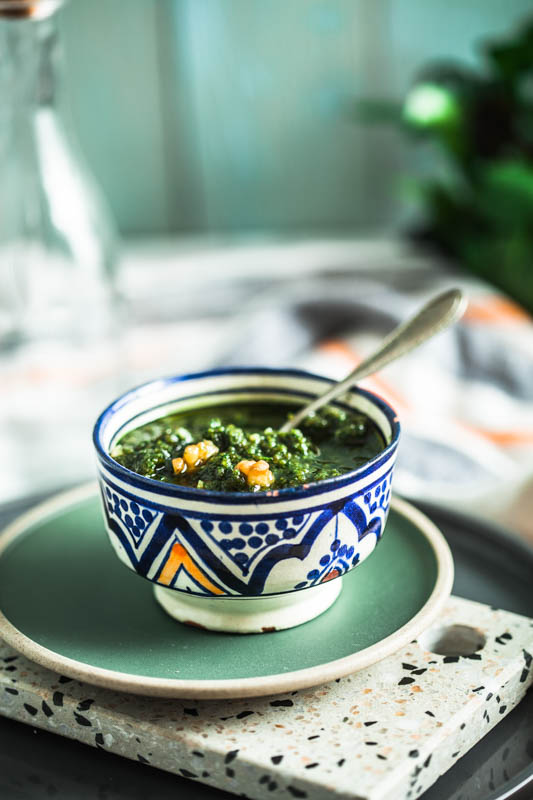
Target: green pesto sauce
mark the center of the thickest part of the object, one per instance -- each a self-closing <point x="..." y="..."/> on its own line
<point x="328" y="443"/>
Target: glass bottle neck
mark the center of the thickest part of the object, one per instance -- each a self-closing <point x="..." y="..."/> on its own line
<point x="30" y="63"/>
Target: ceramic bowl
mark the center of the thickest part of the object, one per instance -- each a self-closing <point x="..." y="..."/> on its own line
<point x="235" y="561"/>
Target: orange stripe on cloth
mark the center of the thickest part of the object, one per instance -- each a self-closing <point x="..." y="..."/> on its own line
<point x="375" y="382"/>
<point x="496" y="309"/>
<point x="179" y="557"/>
<point x="504" y="438"/>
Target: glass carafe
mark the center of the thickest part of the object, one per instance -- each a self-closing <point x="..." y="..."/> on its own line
<point x="57" y="257"/>
<point x="56" y="238"/>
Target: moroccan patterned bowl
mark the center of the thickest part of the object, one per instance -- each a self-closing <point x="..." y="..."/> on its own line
<point x="235" y="561"/>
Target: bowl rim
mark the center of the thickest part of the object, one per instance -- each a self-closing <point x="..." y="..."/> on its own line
<point x="193" y="493"/>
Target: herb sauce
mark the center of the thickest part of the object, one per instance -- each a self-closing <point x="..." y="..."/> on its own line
<point x="231" y="442"/>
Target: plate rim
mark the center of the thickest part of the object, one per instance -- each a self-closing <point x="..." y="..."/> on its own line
<point x="232" y="687"/>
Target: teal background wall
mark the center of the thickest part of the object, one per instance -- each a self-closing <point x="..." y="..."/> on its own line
<point x="229" y="115"/>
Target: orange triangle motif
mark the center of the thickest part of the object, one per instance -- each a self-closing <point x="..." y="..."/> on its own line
<point x="179" y="557"/>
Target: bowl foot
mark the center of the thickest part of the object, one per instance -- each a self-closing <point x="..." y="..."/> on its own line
<point x="249" y="614"/>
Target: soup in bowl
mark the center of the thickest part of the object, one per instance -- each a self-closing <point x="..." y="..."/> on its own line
<point x="239" y="527"/>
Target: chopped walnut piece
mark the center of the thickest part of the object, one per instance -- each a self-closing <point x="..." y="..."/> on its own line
<point x="258" y="473"/>
<point x="245" y="466"/>
<point x="194" y="455"/>
<point x="179" y="466"/>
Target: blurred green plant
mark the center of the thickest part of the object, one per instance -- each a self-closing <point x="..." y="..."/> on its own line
<point x="481" y="212"/>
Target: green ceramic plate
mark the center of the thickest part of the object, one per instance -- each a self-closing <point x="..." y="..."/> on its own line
<point x="67" y="603"/>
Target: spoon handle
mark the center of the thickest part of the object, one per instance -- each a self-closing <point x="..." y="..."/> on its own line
<point x="435" y="316"/>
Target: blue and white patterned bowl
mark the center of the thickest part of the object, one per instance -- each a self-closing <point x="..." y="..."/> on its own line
<point x="207" y="550"/>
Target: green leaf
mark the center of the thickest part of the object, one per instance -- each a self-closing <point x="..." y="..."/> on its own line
<point x="506" y="195"/>
<point x="513" y="58"/>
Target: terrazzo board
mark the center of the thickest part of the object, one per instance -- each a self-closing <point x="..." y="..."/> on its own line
<point x="385" y="733"/>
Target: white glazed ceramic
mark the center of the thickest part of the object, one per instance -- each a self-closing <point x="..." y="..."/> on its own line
<point x="235" y="561"/>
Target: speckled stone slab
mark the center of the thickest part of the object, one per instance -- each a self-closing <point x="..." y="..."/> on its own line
<point x="385" y="733"/>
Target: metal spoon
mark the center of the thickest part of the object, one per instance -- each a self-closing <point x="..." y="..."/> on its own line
<point x="435" y="316"/>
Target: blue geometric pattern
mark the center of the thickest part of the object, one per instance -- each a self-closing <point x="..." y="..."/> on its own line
<point x="241" y="556"/>
<point x="135" y="518"/>
<point x="132" y="527"/>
